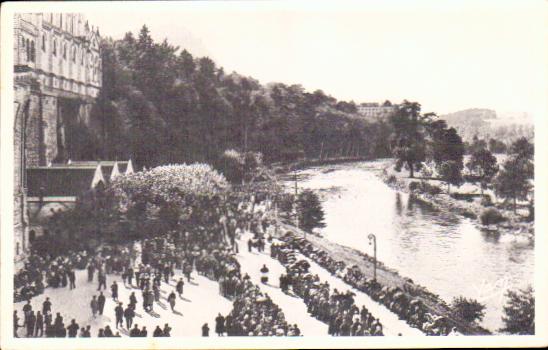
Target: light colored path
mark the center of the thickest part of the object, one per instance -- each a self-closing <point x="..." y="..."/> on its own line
<point x="294" y="308"/>
<point x="202" y="302"/>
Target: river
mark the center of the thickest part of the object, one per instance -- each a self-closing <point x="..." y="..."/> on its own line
<point x="443" y="252"/>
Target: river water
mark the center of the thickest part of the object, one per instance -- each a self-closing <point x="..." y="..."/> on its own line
<point x="443" y="252"/>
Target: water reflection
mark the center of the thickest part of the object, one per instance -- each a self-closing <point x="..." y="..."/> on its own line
<point x="439" y="250"/>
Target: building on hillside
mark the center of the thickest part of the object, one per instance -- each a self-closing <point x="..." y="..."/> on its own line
<point x="377" y="111"/>
<point x="57" y="187"/>
<point x="57" y="76"/>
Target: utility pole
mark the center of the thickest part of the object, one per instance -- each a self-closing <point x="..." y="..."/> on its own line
<point x="296" y="194"/>
<point x="373" y="239"/>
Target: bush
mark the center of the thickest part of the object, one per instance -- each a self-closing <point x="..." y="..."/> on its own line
<point x="468" y="309"/>
<point x="391" y="179"/>
<point x="414" y="185"/>
<point x="491" y="216"/>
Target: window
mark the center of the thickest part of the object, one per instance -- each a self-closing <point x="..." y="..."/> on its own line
<point x="74" y="54"/>
<point x="28" y="49"/>
<point x="65" y="51"/>
<point x="44" y="42"/>
<point x="54" y="47"/>
<point x="23" y="41"/>
<point x="32" y="52"/>
<point x="61" y="20"/>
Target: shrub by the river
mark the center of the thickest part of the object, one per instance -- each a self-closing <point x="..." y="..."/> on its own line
<point x="491" y="216"/>
<point x="519" y="312"/>
<point x="468" y="309"/>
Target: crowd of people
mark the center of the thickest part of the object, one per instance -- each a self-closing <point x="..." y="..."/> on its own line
<point x="410" y="309"/>
<point x="337" y="309"/>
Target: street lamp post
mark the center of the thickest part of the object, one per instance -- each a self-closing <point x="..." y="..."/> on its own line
<point x="373" y="239"/>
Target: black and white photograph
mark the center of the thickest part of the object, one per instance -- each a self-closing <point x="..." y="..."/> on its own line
<point x="274" y="174"/>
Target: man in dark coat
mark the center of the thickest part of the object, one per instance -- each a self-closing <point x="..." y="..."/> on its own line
<point x="130" y="276"/>
<point x="91" y="271"/>
<point x="135" y="332"/>
<point x="219" y="325"/>
<point x="129" y="314"/>
<point x="72" y="279"/>
<point x="143" y="332"/>
<point x="31" y="322"/>
<point x="158" y="332"/>
<point x="114" y="291"/>
<point x="102" y="281"/>
<point x="39" y="324"/>
<point x="73" y="329"/>
<point x="101" y="303"/>
<point x="15" y="324"/>
<point x="119" y="312"/>
<point x="46" y="306"/>
<point x="167" y="330"/>
<point x="27" y="308"/>
<point x="179" y="287"/>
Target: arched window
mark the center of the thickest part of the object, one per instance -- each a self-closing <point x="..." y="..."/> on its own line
<point x="23" y="41"/>
<point x="54" y="47"/>
<point x="44" y="42"/>
<point x="32" y="52"/>
<point x="28" y="49"/>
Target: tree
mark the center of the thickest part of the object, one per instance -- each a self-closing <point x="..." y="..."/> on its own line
<point x="522" y="148"/>
<point x="496" y="146"/>
<point x="519" y="312"/>
<point x="468" y="309"/>
<point x="483" y="164"/>
<point x="309" y="210"/>
<point x="408" y="140"/>
<point x="512" y="181"/>
<point x="450" y="172"/>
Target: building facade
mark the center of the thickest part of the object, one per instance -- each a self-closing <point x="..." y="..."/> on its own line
<point x="58" y="74"/>
<point x="376" y="110"/>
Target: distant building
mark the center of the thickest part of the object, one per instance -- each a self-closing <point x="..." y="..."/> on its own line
<point x="57" y="71"/>
<point x="377" y="111"/>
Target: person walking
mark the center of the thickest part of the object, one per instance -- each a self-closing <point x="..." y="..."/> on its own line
<point x="119" y="313"/>
<point x="102" y="278"/>
<point x="205" y="330"/>
<point x="39" y="324"/>
<point x="72" y="279"/>
<point x="94" y="306"/>
<point x="264" y="272"/>
<point x="101" y="303"/>
<point x="128" y="315"/>
<point x="31" y="322"/>
<point x="171" y="301"/>
<point x="179" y="287"/>
<point x="46" y="306"/>
<point x="156" y="291"/>
<point x="91" y="271"/>
<point x="130" y="276"/>
<point x="219" y="325"/>
<point x="114" y="291"/>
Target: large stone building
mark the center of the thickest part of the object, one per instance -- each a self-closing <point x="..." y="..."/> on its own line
<point x="57" y="69"/>
<point x="373" y="110"/>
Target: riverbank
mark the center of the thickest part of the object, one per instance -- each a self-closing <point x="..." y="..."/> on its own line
<point x="387" y="277"/>
<point x="513" y="224"/>
<point x="307" y="163"/>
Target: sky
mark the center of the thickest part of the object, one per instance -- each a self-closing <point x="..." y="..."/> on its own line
<point x="448" y="55"/>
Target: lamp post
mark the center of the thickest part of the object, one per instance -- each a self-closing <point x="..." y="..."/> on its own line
<point x="373" y="240"/>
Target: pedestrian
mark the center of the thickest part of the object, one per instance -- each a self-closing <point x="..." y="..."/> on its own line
<point x="94" y="306"/>
<point x="27" y="308"/>
<point x="158" y="332"/>
<point x="15" y="324"/>
<point x="124" y="277"/>
<point x="179" y="287"/>
<point x="31" y="322"/>
<point x="264" y="272"/>
<point x="171" y="300"/>
<point x="101" y="303"/>
<point x="167" y="330"/>
<point x="82" y="332"/>
<point x="128" y="315"/>
<point x="46" y="306"/>
<point x="108" y="331"/>
<point x="73" y="329"/>
<point x="135" y="332"/>
<point x="39" y="324"/>
<point x="87" y="332"/>
<point x="219" y="325"/>
<point x="114" y="291"/>
<point x="102" y="278"/>
<point x="130" y="276"/>
<point x="156" y="291"/>
<point x="61" y="331"/>
<point x="91" y="271"/>
<point x="296" y="330"/>
<point x="205" y="330"/>
<point x="249" y="245"/>
<point x="47" y="319"/>
<point x="101" y="333"/>
<point x="137" y="277"/>
<point x="72" y="279"/>
<point x="143" y="332"/>
<point x="119" y="312"/>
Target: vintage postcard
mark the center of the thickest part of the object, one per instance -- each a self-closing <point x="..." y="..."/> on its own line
<point x="274" y="174"/>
